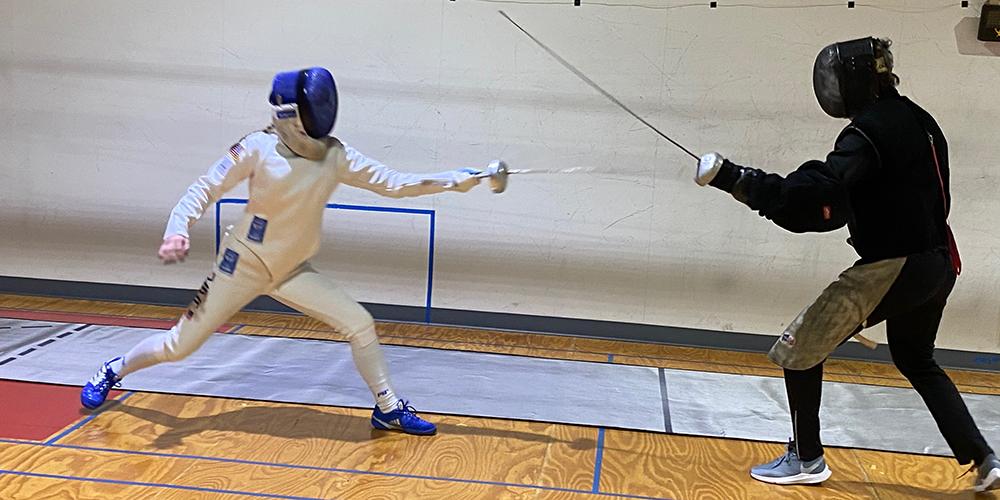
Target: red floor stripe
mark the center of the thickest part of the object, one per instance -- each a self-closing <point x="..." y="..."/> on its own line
<point x="94" y="319"/>
<point x="36" y="411"/>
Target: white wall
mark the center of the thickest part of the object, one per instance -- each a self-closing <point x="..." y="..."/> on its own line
<point x="110" y="109"/>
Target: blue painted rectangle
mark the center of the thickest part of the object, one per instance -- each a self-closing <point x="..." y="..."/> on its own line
<point x="428" y="301"/>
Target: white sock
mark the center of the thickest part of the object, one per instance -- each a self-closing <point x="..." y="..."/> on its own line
<point x="386" y="400"/>
<point x="117" y="365"/>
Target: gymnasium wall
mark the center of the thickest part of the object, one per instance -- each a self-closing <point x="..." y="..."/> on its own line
<point x="111" y="108"/>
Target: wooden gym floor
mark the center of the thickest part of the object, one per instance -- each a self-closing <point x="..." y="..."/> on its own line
<point x="148" y="445"/>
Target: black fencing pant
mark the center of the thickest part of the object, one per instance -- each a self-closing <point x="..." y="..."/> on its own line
<point x="912" y="311"/>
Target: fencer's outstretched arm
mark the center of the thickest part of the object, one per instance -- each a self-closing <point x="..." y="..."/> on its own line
<point x="225" y="174"/>
<point x="366" y="173"/>
<point x="813" y="198"/>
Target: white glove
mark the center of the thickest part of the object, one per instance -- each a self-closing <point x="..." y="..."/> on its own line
<point x="494" y="167"/>
<point x="708" y="167"/>
<point x="464" y="179"/>
<point x="460" y="180"/>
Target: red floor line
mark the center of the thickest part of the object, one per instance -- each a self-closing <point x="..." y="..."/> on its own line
<point x="37" y="411"/>
<point x="96" y="319"/>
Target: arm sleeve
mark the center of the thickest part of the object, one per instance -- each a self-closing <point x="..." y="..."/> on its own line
<point x="225" y="174"/>
<point x="366" y="173"/>
<point x="813" y="198"/>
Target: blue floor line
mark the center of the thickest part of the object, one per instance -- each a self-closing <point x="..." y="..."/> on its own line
<point x="152" y="485"/>
<point x="83" y="422"/>
<point x="326" y="469"/>
<point x="597" y="462"/>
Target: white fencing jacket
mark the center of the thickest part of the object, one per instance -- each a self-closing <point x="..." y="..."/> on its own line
<point x="282" y="223"/>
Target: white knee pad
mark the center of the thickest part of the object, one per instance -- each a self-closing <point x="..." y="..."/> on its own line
<point x="354" y="322"/>
<point x="174" y="347"/>
<point x="156" y="349"/>
<point x="363" y="333"/>
<point x="371" y="364"/>
<point x="182" y="340"/>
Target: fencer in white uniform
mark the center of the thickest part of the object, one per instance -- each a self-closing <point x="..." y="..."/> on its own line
<point x="292" y="168"/>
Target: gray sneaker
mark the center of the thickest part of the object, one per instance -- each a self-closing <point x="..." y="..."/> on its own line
<point x="789" y="469"/>
<point x="989" y="474"/>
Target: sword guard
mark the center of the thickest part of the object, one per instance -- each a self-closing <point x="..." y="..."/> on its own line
<point x="497" y="172"/>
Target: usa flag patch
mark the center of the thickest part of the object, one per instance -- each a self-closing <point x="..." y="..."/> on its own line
<point x="229" y="261"/>
<point x="235" y="152"/>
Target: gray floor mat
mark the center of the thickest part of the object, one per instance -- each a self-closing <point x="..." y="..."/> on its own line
<point x="320" y="372"/>
<point x="852" y="415"/>
<point x="491" y="385"/>
<point x="21" y="338"/>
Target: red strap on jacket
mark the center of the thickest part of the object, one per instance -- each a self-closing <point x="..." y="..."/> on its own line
<point x="956" y="259"/>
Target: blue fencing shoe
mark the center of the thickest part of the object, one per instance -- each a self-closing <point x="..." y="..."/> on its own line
<point x="402" y="418"/>
<point x="97" y="389"/>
